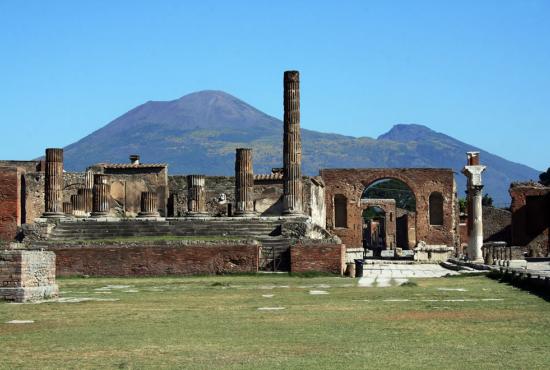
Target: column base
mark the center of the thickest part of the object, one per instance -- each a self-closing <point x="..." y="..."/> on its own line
<point x="245" y="214"/>
<point x="291" y="212"/>
<point x="99" y="214"/>
<point x="148" y="215"/>
<point x="54" y="215"/>
<point x="197" y="214"/>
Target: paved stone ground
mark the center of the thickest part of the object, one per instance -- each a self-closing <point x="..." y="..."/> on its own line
<point x="541" y="266"/>
<point x="384" y="274"/>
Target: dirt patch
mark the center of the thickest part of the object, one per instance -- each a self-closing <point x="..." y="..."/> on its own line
<point x="453" y="315"/>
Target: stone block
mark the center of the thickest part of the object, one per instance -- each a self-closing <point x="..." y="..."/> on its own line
<point x="387" y="253"/>
<point x="27" y="275"/>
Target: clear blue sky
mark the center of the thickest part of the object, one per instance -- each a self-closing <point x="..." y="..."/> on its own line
<point x="476" y="70"/>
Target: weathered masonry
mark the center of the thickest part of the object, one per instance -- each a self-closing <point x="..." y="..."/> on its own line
<point x="436" y="216"/>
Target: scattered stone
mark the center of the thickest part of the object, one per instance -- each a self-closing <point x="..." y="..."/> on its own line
<point x="268" y="295"/>
<point x="453" y="289"/>
<point x="270" y="308"/>
<point x="318" y="292"/>
<point x="20" y="322"/>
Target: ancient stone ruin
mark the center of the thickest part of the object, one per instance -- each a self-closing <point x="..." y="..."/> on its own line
<point x="279" y="221"/>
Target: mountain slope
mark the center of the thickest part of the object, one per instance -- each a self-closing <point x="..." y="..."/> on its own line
<point x="199" y="132"/>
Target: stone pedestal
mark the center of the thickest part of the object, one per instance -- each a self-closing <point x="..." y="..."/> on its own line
<point x="473" y="171"/>
<point x="148" y="204"/>
<point x="196" y="195"/>
<point x="244" y="183"/>
<point x="53" y="189"/>
<point x="101" y="196"/>
<point x="292" y="145"/>
<point x="27" y="275"/>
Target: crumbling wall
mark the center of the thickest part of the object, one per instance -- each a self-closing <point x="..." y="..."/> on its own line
<point x="317" y="257"/>
<point x="10" y="201"/>
<point x="531" y="218"/>
<point x="422" y="181"/>
<point x="162" y="259"/>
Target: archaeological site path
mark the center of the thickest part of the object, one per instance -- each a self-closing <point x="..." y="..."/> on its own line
<point x="276" y="320"/>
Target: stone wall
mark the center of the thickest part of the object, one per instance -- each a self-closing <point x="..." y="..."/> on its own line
<point x="27" y="275"/>
<point x="156" y="259"/>
<point x="531" y="218"/>
<point x="10" y="202"/>
<point x="318" y="257"/>
<point x="422" y="181"/>
<point x="497" y="225"/>
<point x="215" y="186"/>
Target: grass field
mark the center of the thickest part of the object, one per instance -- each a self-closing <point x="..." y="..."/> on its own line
<point x="215" y="322"/>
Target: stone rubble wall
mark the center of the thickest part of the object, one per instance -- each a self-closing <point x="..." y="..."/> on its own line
<point x="27" y="275"/>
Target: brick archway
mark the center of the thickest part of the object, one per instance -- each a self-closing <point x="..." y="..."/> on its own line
<point x="422" y="181"/>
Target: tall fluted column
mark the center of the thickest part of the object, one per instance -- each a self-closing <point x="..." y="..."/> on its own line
<point x="53" y="189"/>
<point x="89" y="179"/>
<point x="148" y="204"/>
<point x="244" y="183"/>
<point x="196" y="195"/>
<point x="292" y="145"/>
<point x="101" y="196"/>
<point x="473" y="171"/>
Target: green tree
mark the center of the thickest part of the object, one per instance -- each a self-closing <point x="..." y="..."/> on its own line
<point x="545" y="178"/>
<point x="462" y="204"/>
<point x="487" y="201"/>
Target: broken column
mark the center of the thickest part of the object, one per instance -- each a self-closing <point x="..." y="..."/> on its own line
<point x="148" y="204"/>
<point x="68" y="208"/>
<point x="196" y="195"/>
<point x="87" y="199"/>
<point x="292" y="145"/>
<point x="244" y="183"/>
<point x="53" y="190"/>
<point x="101" y="195"/>
<point x="473" y="172"/>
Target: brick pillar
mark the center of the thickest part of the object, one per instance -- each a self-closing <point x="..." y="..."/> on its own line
<point x="87" y="199"/>
<point x="244" y="183"/>
<point x="292" y="145"/>
<point x="53" y="189"/>
<point x="101" y="196"/>
<point x="148" y="204"/>
<point x="196" y="195"/>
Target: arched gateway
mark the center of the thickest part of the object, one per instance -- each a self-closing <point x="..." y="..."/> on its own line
<point x="350" y="184"/>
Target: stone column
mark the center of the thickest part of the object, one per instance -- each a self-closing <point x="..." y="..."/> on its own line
<point x="244" y="183"/>
<point x="148" y="204"/>
<point x="53" y="189"/>
<point x="292" y="145"/>
<point x="196" y="195"/>
<point x="101" y="196"/>
<point x="77" y="201"/>
<point x="89" y="179"/>
<point x="68" y="208"/>
<point x="473" y="172"/>
<point x="87" y="199"/>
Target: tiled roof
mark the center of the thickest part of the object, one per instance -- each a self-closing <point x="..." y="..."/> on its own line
<point x="130" y="165"/>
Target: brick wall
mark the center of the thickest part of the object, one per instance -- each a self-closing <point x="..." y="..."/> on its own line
<point x="422" y="181"/>
<point x="10" y="202"/>
<point x="135" y="260"/>
<point x="531" y="218"/>
<point x="318" y="257"/>
<point x="27" y="275"/>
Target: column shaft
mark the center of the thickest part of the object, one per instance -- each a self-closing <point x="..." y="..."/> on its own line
<point x="148" y="204"/>
<point x="101" y="196"/>
<point x="196" y="195"/>
<point x="476" y="237"/>
<point x="53" y="189"/>
<point x="292" y="145"/>
<point x="244" y="182"/>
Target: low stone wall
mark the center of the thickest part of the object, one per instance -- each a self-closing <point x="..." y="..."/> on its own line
<point x="156" y="259"/>
<point x="318" y="257"/>
<point x="27" y="275"/>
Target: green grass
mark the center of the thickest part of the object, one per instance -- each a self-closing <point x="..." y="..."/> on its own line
<point x="214" y="322"/>
<point x="160" y="238"/>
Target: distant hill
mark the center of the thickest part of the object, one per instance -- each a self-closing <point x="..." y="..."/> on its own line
<point x="199" y="132"/>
